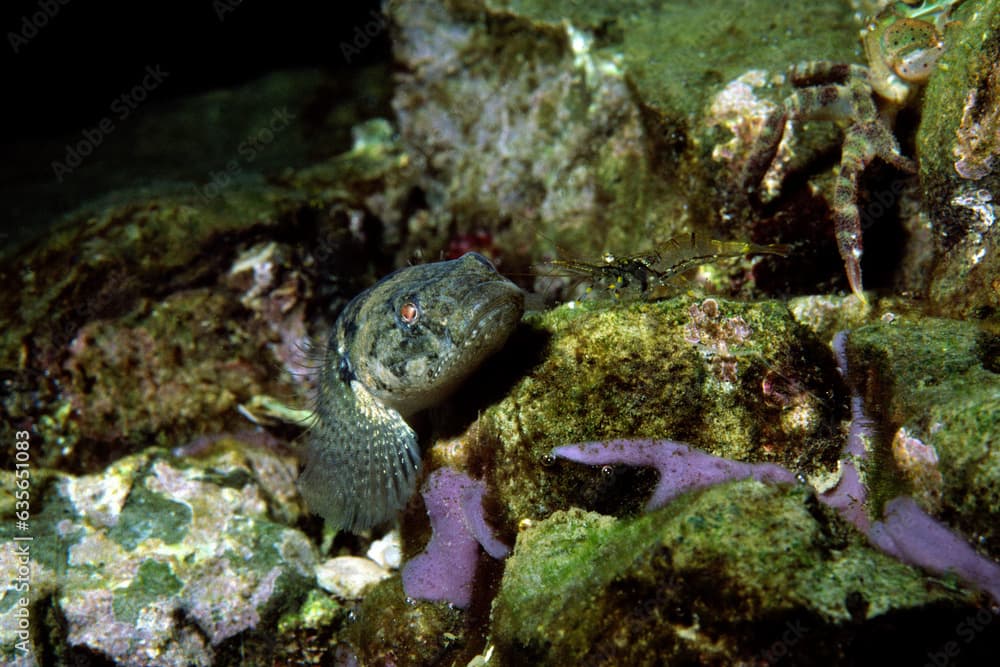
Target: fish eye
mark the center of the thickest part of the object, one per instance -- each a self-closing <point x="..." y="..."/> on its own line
<point x="409" y="312"/>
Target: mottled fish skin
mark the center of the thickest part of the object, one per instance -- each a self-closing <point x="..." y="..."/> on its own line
<point x="398" y="347"/>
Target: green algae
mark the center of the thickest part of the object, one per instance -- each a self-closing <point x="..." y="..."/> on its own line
<point x="925" y="361"/>
<point x="678" y="52"/>
<point x="715" y="577"/>
<point x="53" y="528"/>
<point x="935" y="378"/>
<point x="148" y="515"/>
<point x="318" y="610"/>
<point x="963" y="210"/>
<point x="154" y="580"/>
<point x="392" y="628"/>
<point x="610" y="371"/>
<point x="972" y="47"/>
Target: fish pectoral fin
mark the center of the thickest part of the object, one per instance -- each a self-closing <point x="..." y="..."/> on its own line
<point x="362" y="459"/>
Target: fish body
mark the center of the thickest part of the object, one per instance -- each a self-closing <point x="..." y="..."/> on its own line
<point x="400" y="346"/>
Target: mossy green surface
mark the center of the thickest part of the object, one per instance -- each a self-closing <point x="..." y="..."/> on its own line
<point x="919" y="363"/>
<point x="392" y="629"/>
<point x="938" y="379"/>
<point x="972" y="47"/>
<point x="149" y="515"/>
<point x="613" y="370"/>
<point x="318" y="610"/>
<point x="678" y="53"/>
<point x="718" y="577"/>
<point x="154" y="580"/>
<point x="970" y="462"/>
<point x="961" y="121"/>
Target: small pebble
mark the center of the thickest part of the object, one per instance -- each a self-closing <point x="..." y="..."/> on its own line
<point x="349" y="577"/>
<point x="387" y="551"/>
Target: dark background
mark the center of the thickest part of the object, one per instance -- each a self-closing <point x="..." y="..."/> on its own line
<point x="88" y="53"/>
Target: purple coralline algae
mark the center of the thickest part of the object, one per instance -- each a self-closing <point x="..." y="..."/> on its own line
<point x="682" y="468"/>
<point x="849" y="497"/>
<point x="915" y="537"/>
<point x="861" y="425"/>
<point x="905" y="531"/>
<point x="446" y="570"/>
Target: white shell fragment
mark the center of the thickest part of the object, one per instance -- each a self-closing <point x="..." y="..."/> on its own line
<point x="349" y="577"/>
<point x="387" y="552"/>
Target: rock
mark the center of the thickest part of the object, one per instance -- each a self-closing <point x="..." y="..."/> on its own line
<point x="585" y="126"/>
<point x="387" y="551"/>
<point x="349" y="577"/>
<point x="933" y="388"/>
<point x="163" y="561"/>
<point x="959" y="143"/>
<point x="737" y="380"/>
<point x="743" y="573"/>
<point x="563" y="141"/>
<point x="150" y="317"/>
<point x="392" y="629"/>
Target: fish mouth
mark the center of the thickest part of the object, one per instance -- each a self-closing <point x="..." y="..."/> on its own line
<point x="496" y="305"/>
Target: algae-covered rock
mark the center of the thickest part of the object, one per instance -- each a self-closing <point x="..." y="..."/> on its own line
<point x="595" y="125"/>
<point x="165" y="371"/>
<point x="740" y="574"/>
<point x="741" y="381"/>
<point x="394" y="630"/>
<point x="151" y="316"/>
<point x="562" y="142"/>
<point x="932" y="387"/>
<point x="959" y="148"/>
<point x="166" y="561"/>
<point x="306" y="633"/>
